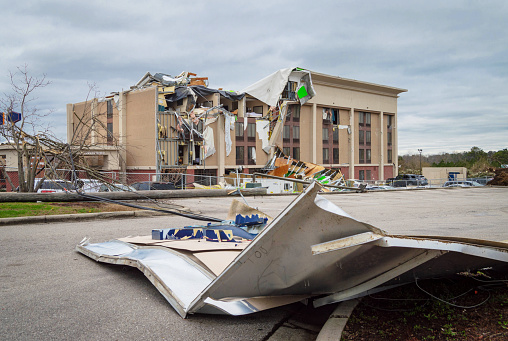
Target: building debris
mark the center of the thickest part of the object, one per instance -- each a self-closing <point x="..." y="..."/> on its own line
<point x="187" y="107"/>
<point x="500" y="177"/>
<point x="286" y="167"/>
<point x="312" y="249"/>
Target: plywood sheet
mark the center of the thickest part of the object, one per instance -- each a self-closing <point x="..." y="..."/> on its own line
<point x="217" y="261"/>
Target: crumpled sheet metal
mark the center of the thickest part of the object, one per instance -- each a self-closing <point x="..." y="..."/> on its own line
<point x="311" y="249"/>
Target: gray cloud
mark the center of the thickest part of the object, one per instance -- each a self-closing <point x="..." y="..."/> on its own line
<point x="451" y="56"/>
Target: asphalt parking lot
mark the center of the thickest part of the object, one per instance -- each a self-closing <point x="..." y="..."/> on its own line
<point x="49" y="291"/>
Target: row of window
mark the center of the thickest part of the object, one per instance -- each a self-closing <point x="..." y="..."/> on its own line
<point x="364" y="155"/>
<point x="240" y="128"/>
<point x="287" y="130"/>
<point x="364" y="137"/>
<point x="240" y="155"/>
<point x="364" y="119"/>
<point x="326" y="135"/>
<point x="362" y="172"/>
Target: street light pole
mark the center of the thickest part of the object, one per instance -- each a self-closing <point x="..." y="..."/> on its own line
<point x="420" y="151"/>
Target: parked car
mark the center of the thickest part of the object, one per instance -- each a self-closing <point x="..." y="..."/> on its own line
<point x="55" y="186"/>
<point x="404" y="180"/>
<point x="153" y="186"/>
<point x="460" y="183"/>
<point x="89" y="185"/>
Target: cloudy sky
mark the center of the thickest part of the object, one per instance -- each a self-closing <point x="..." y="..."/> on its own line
<point x="452" y="56"/>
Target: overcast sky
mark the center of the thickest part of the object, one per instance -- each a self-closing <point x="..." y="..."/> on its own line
<point x="452" y="56"/>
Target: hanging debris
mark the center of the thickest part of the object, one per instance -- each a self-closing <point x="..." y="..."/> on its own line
<point x="285" y="167"/>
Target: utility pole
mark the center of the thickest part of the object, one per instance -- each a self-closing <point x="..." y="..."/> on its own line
<point x="420" y="151"/>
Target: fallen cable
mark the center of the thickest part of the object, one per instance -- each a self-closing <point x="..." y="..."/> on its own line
<point x="452" y="304"/>
<point x="95" y="198"/>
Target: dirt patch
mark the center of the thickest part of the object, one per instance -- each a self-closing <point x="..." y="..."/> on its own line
<point x="408" y="313"/>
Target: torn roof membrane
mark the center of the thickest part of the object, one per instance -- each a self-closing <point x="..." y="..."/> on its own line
<point x="312" y="249"/>
<point x="270" y="88"/>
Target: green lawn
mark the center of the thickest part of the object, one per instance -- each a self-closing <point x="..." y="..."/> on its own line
<point x="23" y="209"/>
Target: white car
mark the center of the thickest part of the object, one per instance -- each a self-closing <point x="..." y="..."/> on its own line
<point x="54" y="186"/>
<point x="460" y="183"/>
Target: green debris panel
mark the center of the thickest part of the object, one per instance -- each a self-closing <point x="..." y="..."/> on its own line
<point x="302" y="92"/>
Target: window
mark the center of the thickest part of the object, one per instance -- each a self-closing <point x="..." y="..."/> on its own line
<point x="335" y="135"/>
<point x="367" y="119"/>
<point x="286" y="132"/>
<point x="295" y="112"/>
<point x="335" y="116"/>
<point x="239" y="155"/>
<point x="325" y="134"/>
<point x="326" y="155"/>
<point x="361" y="137"/>
<point x="109" y="109"/>
<point x="251" y="131"/>
<point x="389" y="121"/>
<point x="368" y="153"/>
<point x="296" y="133"/>
<point x="368" y="174"/>
<point x="251" y="155"/>
<point x="390" y="156"/>
<point x="361" y="155"/>
<point x="239" y="130"/>
<point x="258" y="109"/>
<point x="360" y="118"/>
<point x="361" y="175"/>
<point x="296" y="153"/>
<point x="389" y="138"/>
<point x="335" y="155"/>
<point x="110" y="133"/>
<point x="234" y="105"/>
<point x="367" y="137"/>
<point x="286" y="151"/>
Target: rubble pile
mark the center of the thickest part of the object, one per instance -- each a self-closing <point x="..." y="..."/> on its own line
<point x="500" y="177"/>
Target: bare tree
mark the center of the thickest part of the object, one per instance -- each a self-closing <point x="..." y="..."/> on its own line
<point x="20" y="135"/>
<point x="38" y="151"/>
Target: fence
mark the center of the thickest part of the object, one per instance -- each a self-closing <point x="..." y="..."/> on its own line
<point x="147" y="181"/>
<point x="110" y="180"/>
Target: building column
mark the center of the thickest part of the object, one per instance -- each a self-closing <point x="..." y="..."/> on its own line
<point x="314" y="133"/>
<point x="220" y="141"/>
<point x="70" y="122"/>
<point x="395" y="146"/>
<point x="122" y="135"/>
<point x="242" y="106"/>
<point x="351" y="143"/>
<point x="93" y="113"/>
<point x="381" y="172"/>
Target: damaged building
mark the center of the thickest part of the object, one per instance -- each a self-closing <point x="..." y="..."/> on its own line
<point x="166" y="124"/>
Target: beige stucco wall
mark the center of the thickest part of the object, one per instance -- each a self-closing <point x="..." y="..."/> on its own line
<point x="11" y="156"/>
<point x="439" y="175"/>
<point x="140" y="128"/>
<point x="353" y="98"/>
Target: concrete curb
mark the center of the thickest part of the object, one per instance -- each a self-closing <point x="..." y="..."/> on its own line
<point x="77" y="217"/>
<point x="333" y="328"/>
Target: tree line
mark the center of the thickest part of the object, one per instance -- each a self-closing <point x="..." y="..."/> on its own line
<point x="477" y="161"/>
